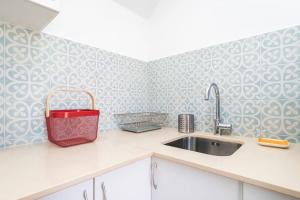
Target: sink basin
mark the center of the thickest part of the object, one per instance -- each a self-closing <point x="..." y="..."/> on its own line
<point x="207" y="146"/>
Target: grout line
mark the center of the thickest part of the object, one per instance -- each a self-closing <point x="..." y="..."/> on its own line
<point x="4" y="89"/>
<point x="3" y="134"/>
<point x="260" y="84"/>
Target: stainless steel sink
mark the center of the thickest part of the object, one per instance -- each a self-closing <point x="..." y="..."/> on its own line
<point x="208" y="146"/>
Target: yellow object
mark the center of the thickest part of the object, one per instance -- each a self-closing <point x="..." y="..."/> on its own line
<point x="273" y="142"/>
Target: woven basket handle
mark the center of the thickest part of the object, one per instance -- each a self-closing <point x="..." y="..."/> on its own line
<point x="51" y="93"/>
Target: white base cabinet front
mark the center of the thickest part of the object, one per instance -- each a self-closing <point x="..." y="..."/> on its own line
<point x="131" y="182"/>
<point x="159" y="179"/>
<point x="177" y="182"/>
<point x="251" y="192"/>
<point x="82" y="191"/>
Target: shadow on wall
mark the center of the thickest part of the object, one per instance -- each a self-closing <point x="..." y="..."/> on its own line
<point x="143" y="8"/>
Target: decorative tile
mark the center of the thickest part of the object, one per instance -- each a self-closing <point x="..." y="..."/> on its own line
<point x="281" y="117"/>
<point x="250" y="73"/>
<point x="23" y="120"/>
<point x="58" y="49"/>
<point x="281" y="47"/>
<point x="25" y="46"/>
<point x="26" y="82"/>
<point x="281" y="81"/>
<point x="37" y="62"/>
<point x="244" y="84"/>
<point x="258" y="79"/>
<point x="245" y="116"/>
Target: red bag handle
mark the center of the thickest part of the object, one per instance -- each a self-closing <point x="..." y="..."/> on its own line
<point x="52" y="92"/>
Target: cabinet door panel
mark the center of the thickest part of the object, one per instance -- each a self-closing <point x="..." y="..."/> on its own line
<point x="175" y="181"/>
<point x="251" y="192"/>
<point x="131" y="182"/>
<point x="82" y="191"/>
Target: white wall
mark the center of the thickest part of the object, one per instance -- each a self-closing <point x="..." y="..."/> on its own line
<point x="102" y="23"/>
<point x="177" y="26"/>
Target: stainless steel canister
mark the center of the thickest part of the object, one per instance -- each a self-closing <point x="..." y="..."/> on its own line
<point x="186" y="123"/>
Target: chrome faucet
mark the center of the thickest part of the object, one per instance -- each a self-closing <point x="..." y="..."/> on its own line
<point x="218" y="125"/>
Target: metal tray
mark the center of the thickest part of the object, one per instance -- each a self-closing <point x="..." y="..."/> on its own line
<point x="141" y="122"/>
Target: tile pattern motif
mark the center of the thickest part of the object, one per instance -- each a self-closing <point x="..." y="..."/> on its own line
<point x="259" y="80"/>
<point x="33" y="63"/>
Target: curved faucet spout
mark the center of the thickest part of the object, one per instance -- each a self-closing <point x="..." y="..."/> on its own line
<point x="217" y="93"/>
<point x="218" y="126"/>
<point x="216" y="88"/>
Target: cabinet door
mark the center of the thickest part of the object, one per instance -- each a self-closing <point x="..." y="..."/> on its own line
<point x="252" y="192"/>
<point x="175" y="181"/>
<point x="82" y="191"/>
<point x="131" y="182"/>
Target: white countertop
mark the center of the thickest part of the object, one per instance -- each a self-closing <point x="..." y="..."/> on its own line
<point x="30" y="172"/>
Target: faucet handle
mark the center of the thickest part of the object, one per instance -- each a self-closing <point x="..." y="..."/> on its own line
<point x="224" y="126"/>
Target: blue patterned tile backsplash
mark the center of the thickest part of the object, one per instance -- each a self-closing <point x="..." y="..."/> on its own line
<point x="33" y="63"/>
<point x="259" y="80"/>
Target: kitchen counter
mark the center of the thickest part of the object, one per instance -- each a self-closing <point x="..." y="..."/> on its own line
<point x="30" y="172"/>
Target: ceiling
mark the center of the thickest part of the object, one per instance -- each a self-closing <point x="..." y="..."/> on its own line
<point x="144" y="8"/>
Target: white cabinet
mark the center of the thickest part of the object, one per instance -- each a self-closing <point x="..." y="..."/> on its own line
<point x="177" y="182"/>
<point x="131" y="182"/>
<point x="82" y="191"/>
<point x="251" y="192"/>
<point x="165" y="180"/>
<point x="32" y="14"/>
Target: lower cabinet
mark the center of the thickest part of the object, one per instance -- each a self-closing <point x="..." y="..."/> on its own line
<point x="131" y="182"/>
<point x="159" y="179"/>
<point x="82" y="191"/>
<point x="174" y="181"/>
<point x="251" y="192"/>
